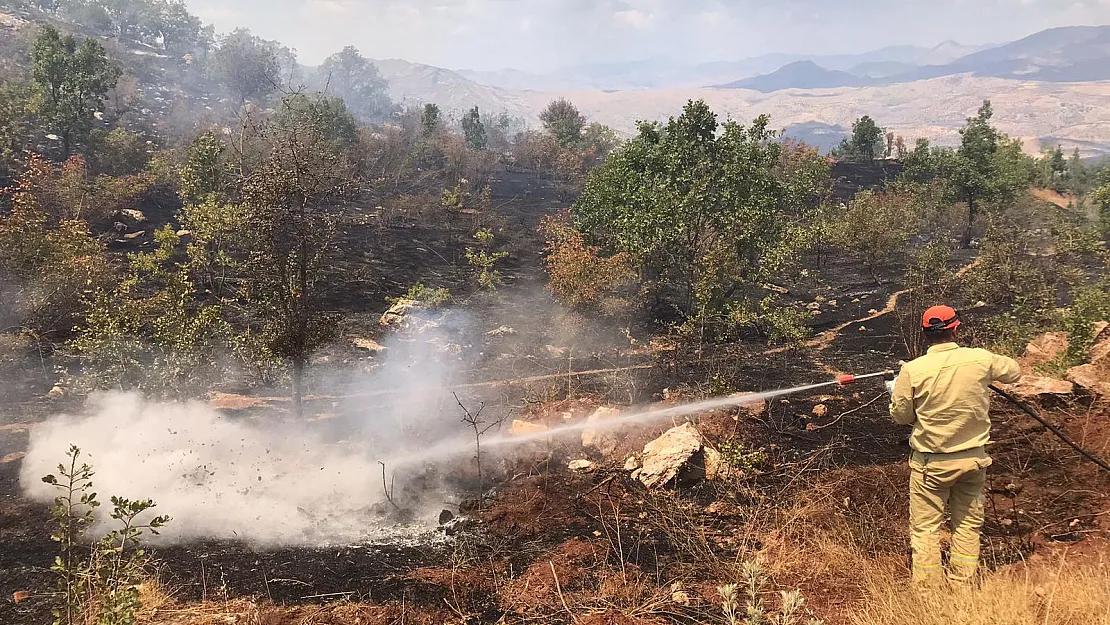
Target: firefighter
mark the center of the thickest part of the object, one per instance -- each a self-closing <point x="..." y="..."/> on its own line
<point x="944" y="395"/>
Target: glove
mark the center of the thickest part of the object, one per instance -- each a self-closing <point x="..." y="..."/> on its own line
<point x="890" y="385"/>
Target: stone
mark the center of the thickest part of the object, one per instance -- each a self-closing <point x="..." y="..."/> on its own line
<point x="675" y="457"/>
<point x="369" y="345"/>
<point x="395" y="316"/>
<point x="1046" y="347"/>
<point x="599" y="439"/>
<point x="715" y="466"/>
<point x="521" y="428"/>
<point x="581" y="466"/>
<point x="1093" y="378"/>
<point x="632" y="463"/>
<point x="446" y="516"/>
<point x="502" y="331"/>
<point x="820" y="410"/>
<point x="1034" y="386"/>
<point x="133" y="215"/>
<point x="56" y="391"/>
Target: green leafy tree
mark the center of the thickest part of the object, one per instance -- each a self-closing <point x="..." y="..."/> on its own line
<point x="247" y="65"/>
<point x="18" y="104"/>
<point x="73" y="80"/>
<point x="707" y="216"/>
<point x="474" y="130"/>
<point x="289" y="196"/>
<point x="327" y="116"/>
<point x="562" y="120"/>
<point x="351" y="76"/>
<point x="430" y="119"/>
<point x="205" y="173"/>
<point x="866" y="142"/>
<point x="178" y="29"/>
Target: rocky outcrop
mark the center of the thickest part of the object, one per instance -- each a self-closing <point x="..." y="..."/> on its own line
<point x="598" y="439"/>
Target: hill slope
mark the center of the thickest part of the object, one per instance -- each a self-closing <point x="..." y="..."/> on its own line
<point x="415" y="83"/>
<point x="798" y="75"/>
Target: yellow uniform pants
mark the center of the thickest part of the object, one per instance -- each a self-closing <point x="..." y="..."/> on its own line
<point x="954" y="481"/>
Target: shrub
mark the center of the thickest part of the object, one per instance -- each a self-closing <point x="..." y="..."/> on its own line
<point x="580" y="276"/>
<point x="426" y="297"/>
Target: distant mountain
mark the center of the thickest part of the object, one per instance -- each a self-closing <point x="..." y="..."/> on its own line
<point x="824" y="137"/>
<point x="798" y="75"/>
<point x="1066" y="54"/>
<point x="881" y="69"/>
<point x="415" y="83"/>
<point x="948" y="52"/>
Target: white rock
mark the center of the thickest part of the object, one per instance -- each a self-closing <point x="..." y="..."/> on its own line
<point x="673" y="457"/>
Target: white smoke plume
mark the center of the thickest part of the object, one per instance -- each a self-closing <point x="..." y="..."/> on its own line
<point x="270" y="480"/>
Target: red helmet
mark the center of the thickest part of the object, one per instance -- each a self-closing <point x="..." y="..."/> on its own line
<point x="940" y="318"/>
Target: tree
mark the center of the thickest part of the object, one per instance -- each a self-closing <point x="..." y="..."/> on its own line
<point x="562" y="120"/>
<point x="247" y="65"/>
<point x="867" y="139"/>
<point x="327" y="116"/>
<point x="987" y="168"/>
<point x="354" y="78"/>
<point x="73" y="80"/>
<point x="889" y="144"/>
<point x="474" y="130"/>
<point x="177" y="27"/>
<point x="430" y="119"/>
<point x="17" y="104"/>
<point x="289" y="195"/>
<point x="709" y="213"/>
<point x="205" y="173"/>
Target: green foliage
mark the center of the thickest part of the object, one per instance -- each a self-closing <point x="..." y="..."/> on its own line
<point x="563" y="121"/>
<point x="452" y="199"/>
<point x="484" y="262"/>
<point x="47" y="265"/>
<point x="105" y="576"/>
<point x="740" y="457"/>
<point x="72" y="79"/>
<point x="580" y="275"/>
<point x="19" y="102"/>
<point x="754" y="610"/>
<point x="118" y="153"/>
<point x="327" y="116"/>
<point x="427" y="297"/>
<point x="709" y="217"/>
<point x="354" y="79"/>
<point x="430" y="119"/>
<point x="205" y="173"/>
<point x="876" y="227"/>
<point x="150" y="332"/>
<point x="247" y="65"/>
<point x="1090" y="304"/>
<point x="866" y="143"/>
<point x="473" y="129"/>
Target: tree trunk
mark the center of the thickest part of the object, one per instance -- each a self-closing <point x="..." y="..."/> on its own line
<point x="965" y="242"/>
<point x="298" y="387"/>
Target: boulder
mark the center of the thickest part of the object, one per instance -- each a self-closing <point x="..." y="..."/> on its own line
<point x="598" y="438"/>
<point x="675" y="457"/>
<point x="1046" y="348"/>
<point x="1034" y="386"/>
<point x="369" y="345"/>
<point x="1094" y="377"/>
<point x="1100" y="349"/>
<point x="133" y="215"/>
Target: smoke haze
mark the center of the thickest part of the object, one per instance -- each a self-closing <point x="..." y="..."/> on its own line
<point x="267" y="479"/>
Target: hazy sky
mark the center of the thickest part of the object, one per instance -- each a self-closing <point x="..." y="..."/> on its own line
<point x="548" y="34"/>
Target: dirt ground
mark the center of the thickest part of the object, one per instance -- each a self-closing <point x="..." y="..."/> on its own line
<point x="557" y="546"/>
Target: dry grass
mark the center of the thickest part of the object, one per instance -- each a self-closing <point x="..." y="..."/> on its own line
<point x="1062" y="593"/>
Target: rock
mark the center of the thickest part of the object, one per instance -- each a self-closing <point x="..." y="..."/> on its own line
<point x="820" y="410"/>
<point x="598" y="439"/>
<point x="395" y="316"/>
<point x="581" y="466"/>
<point x="368" y="344"/>
<point x="445" y="517"/>
<point x="457" y="525"/>
<point x="133" y="215"/>
<point x="675" y="457"/>
<point x="679" y="594"/>
<point x="502" y="331"/>
<point x="632" y="463"/>
<point x="134" y="235"/>
<point x="556" y="352"/>
<point x="1093" y="378"/>
<point x="1100" y="349"/>
<point x="56" y="391"/>
<point x="521" y="428"/>
<point x="1033" y="386"/>
<point x="1046" y="347"/>
<point x="715" y="466"/>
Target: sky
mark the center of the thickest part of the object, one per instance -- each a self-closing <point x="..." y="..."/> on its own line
<point x="545" y="35"/>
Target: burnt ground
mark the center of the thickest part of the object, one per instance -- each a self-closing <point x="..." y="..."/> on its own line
<point x="1041" y="494"/>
